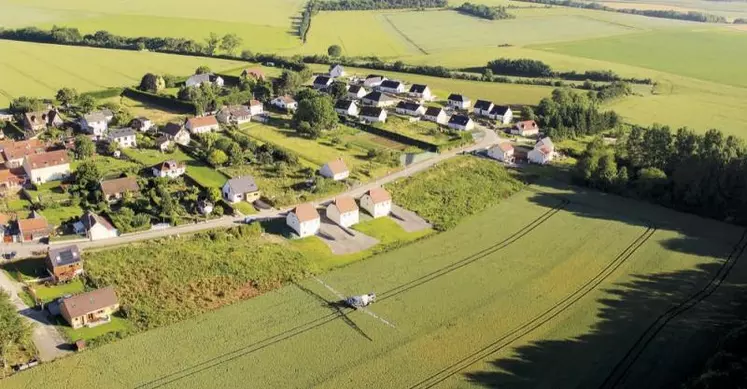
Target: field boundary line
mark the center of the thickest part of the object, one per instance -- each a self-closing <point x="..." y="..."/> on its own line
<point x="308" y="326"/>
<point x="540" y="319"/>
<point x="621" y="369"/>
<point x="402" y="34"/>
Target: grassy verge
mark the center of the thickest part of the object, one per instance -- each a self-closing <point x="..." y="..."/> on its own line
<point x="50" y="293"/>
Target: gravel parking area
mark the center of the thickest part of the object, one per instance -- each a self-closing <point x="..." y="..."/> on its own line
<point x="343" y="240"/>
<point x="408" y="220"/>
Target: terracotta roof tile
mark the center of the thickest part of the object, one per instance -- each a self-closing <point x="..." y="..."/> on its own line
<point x="85" y="303"/>
<point x="345" y="204"/>
<point x="52" y="158"/>
<point x="379" y="195"/>
<point x="306" y="212"/>
<point x="337" y="166"/>
<point x="203" y="121"/>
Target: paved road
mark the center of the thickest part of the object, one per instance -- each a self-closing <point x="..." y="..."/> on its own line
<point x="487" y="138"/>
<point x="47" y="339"/>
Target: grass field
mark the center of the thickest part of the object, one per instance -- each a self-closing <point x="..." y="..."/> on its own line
<point x="530" y="281"/>
<point x="30" y="69"/>
<point x="198" y="171"/>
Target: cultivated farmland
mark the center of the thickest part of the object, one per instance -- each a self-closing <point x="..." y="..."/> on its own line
<point x="504" y="299"/>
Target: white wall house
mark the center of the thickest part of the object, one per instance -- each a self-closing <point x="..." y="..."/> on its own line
<point x="503" y="152"/>
<point x="321" y="82"/>
<point x="95" y="227"/>
<point x="420" y="91"/>
<point x="526" y="128"/>
<point x="483" y="107"/>
<point x="378" y="99"/>
<point x="170" y="169"/>
<point x="458" y="101"/>
<point x="409" y="108"/>
<point x="242" y="188"/>
<point x="391" y="86"/>
<point x="343" y="211"/>
<point x="124" y="137"/>
<point x="373" y="114"/>
<point x="304" y="219"/>
<point x="436" y="115"/>
<point x="285" y="102"/>
<point x="256" y="107"/>
<point x="347" y="108"/>
<point x="373" y="80"/>
<point x="461" y="122"/>
<point x="336" y="170"/>
<point x="545" y="142"/>
<point x="377" y="202"/>
<point x="177" y="133"/>
<point x="45" y="167"/>
<point x="205" y="78"/>
<point x="95" y="123"/>
<point x="501" y="113"/>
<point x="540" y="155"/>
<point x="356" y="92"/>
<point x="142" y="124"/>
<point x="203" y="124"/>
<point x="336" y="70"/>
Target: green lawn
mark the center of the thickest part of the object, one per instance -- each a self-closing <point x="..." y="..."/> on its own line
<point x="245" y="208"/>
<point x="422" y="130"/>
<point x="526" y="283"/>
<point x="387" y="230"/>
<point x="117" y="324"/>
<point x="204" y="175"/>
<point x="50" y="293"/>
<point x="109" y="166"/>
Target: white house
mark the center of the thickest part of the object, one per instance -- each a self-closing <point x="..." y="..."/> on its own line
<point x="501" y="113"/>
<point x="321" y="82"/>
<point x="410" y="108"/>
<point x="373" y="80"/>
<point x="124" y="137"/>
<point x="343" y="211"/>
<point x="373" y="114"/>
<point x="377" y="202"/>
<point x="346" y="108"/>
<point x="483" y="107"/>
<point x="203" y="124"/>
<point x="170" y="169"/>
<point x="336" y="170"/>
<point x="177" y="133"/>
<point x="503" y="152"/>
<point x="96" y="227"/>
<point x="304" y="219"/>
<point x="540" y="155"/>
<point x="285" y="102"/>
<point x="234" y="114"/>
<point x="95" y="123"/>
<point x="256" y="107"/>
<point x="44" y="167"/>
<point x="205" y="78"/>
<point x="356" y="92"/>
<point x="461" y="122"/>
<point x="436" y="115"/>
<point x="420" y="91"/>
<point x="458" y="101"/>
<point x="526" y="128"/>
<point x="141" y="124"/>
<point x="391" y="86"/>
<point x="336" y="70"/>
<point x="546" y="142"/>
<point x="163" y="143"/>
<point x="241" y="188"/>
<point x="378" y="99"/>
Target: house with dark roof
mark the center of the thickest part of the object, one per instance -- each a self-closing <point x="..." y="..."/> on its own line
<point x="458" y="101"/>
<point x="115" y="189"/>
<point x="90" y="309"/>
<point x="45" y="167"/>
<point x="377" y="202"/>
<point x="96" y="227"/>
<point x="501" y="113"/>
<point x="410" y="108"/>
<point x="356" y="92"/>
<point x="64" y="263"/>
<point x="421" y="92"/>
<point x="346" y="108"/>
<point x="343" y="211"/>
<point x="321" y="82"/>
<point x="124" y="137"/>
<point x="336" y="70"/>
<point x="177" y="133"/>
<point x="304" y="219"/>
<point x="234" y="114"/>
<point x="142" y="124"/>
<point x="436" y="115"/>
<point x="242" y="188"/>
<point x="482" y="107"/>
<point x="373" y="114"/>
<point x="461" y="122"/>
<point x="392" y="86"/>
<point x="378" y="99"/>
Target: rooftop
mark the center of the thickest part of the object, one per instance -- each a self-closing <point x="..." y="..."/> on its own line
<point x="85" y="303"/>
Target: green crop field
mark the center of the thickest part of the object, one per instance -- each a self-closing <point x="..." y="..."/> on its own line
<point x="30" y="69"/>
<point x="536" y="291"/>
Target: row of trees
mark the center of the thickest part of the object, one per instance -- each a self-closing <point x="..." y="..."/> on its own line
<point x="485" y="12"/>
<point x="567" y="115"/>
<point x="524" y="67"/>
<point x="701" y="174"/>
<point x="693" y="16"/>
<point x="346" y="5"/>
<point x="15" y="332"/>
<point x="305" y="24"/>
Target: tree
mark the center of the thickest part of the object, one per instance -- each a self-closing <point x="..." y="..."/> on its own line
<point x="338" y="90"/>
<point x="288" y="82"/>
<point x="86" y="103"/>
<point x="487" y="74"/>
<point x="303" y="128"/>
<point x="87" y="175"/>
<point x="334" y="51"/>
<point x="213" y="194"/>
<point x="152" y="83"/>
<point x="203" y="70"/>
<point x="15" y="332"/>
<point x="217" y="158"/>
<point x="67" y="96"/>
<point x="230" y="43"/>
<point x="84" y="147"/>
<point x="247" y="55"/>
<point x="318" y="112"/>
<point x="212" y="41"/>
<point x="527" y="113"/>
<point x="112" y="148"/>
<point x="122" y="117"/>
<point x="25" y="104"/>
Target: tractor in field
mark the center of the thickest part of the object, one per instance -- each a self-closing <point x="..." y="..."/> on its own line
<point x="360" y="301"/>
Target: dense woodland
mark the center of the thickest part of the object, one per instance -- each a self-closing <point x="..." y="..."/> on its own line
<point x="347" y="5"/>
<point x="696" y="173"/>
<point x="692" y="16"/>
<point x="485" y="12"/>
<point x="524" y="67"/>
<point x="568" y="115"/>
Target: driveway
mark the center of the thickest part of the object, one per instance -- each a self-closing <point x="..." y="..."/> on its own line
<point x="47" y="339"/>
<point x="408" y="220"/>
<point x="343" y="240"/>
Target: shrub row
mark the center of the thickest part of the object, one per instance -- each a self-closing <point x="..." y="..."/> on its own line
<point x="170" y="103"/>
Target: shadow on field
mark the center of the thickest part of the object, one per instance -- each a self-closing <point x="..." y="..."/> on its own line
<point x="601" y="358"/>
<point x="337" y="307"/>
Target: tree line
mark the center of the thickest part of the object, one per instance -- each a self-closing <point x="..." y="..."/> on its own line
<point x="694" y="173"/>
<point x="485" y="12"/>
<point x="568" y="114"/>
<point x="693" y="16"/>
<point x="348" y="5"/>
<point x="305" y="24"/>
<point x="525" y="67"/>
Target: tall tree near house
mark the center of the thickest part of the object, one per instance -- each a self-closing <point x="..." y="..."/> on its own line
<point x="230" y="43"/>
<point x="67" y="96"/>
<point x="217" y="158"/>
<point x="84" y="147"/>
<point x="203" y="69"/>
<point x="152" y="83"/>
<point x="14" y="331"/>
<point x="334" y="51"/>
<point x="213" y="42"/>
<point x="25" y="104"/>
<point x="338" y="90"/>
<point x="86" y="103"/>
<point x="318" y="112"/>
